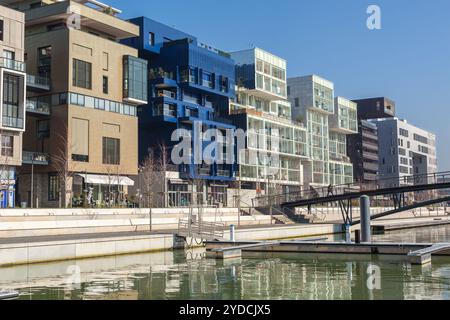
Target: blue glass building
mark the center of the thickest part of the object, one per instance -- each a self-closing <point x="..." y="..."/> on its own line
<point x="190" y="84"/>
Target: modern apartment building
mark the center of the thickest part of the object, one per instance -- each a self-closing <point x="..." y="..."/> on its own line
<point x="190" y="83"/>
<point x="84" y="89"/>
<point x="343" y="122"/>
<point x="328" y="121"/>
<point x="12" y="101"/>
<point x="362" y="149"/>
<point x="276" y="146"/>
<point x="404" y="150"/>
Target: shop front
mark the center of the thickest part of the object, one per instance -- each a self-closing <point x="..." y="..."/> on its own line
<point x="7" y="188"/>
<point x="101" y="191"/>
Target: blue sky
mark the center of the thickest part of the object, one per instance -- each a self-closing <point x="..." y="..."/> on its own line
<point x="408" y="60"/>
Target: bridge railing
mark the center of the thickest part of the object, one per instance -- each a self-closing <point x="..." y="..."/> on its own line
<point x="308" y="193"/>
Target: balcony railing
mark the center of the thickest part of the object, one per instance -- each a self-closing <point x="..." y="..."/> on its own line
<point x="36" y="158"/>
<point x="38" y="82"/>
<point x="36" y="106"/>
<point x="11" y="122"/>
<point x="167" y="94"/>
<point x="12" y="64"/>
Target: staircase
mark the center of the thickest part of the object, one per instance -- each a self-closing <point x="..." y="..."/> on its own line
<point x="283" y="215"/>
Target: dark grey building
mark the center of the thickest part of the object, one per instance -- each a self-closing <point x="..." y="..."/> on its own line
<point x="362" y="148"/>
<point x="375" y="108"/>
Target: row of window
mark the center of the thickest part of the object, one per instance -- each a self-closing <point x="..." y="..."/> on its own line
<point x="204" y="78"/>
<point x="135" y="77"/>
<point x="270" y="70"/>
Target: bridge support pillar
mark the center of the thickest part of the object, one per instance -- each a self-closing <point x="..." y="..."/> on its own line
<point x="366" y="228"/>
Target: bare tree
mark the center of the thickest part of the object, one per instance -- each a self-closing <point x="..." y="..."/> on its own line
<point x="163" y="163"/>
<point x="149" y="169"/>
<point x="61" y="162"/>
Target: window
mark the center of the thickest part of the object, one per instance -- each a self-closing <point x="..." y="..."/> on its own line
<point x="12" y="97"/>
<point x="404" y="133"/>
<point x="44" y="62"/>
<point x="111" y="151"/>
<point x="208" y="79"/>
<point x="223" y="84"/>
<point x="10" y="55"/>
<point x="43" y="129"/>
<point x="1" y="30"/>
<point x="7" y="146"/>
<point x="53" y="187"/>
<point x="135" y="78"/>
<point x="297" y="102"/>
<point x="151" y="39"/>
<point x="105" y="85"/>
<point x="80" y="140"/>
<point x="82" y="74"/>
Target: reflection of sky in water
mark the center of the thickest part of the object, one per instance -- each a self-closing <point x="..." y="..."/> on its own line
<point x="183" y="275"/>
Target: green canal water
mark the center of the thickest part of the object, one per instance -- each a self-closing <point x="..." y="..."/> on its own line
<point x="187" y="275"/>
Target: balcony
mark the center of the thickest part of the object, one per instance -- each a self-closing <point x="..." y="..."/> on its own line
<point x="167" y="94"/>
<point x="38" y="84"/>
<point x="370" y="156"/>
<point x="13" y="123"/>
<point x="12" y="64"/>
<point x="223" y="173"/>
<point x="34" y="105"/>
<point x="36" y="158"/>
<point x="371" y="166"/>
<point x="165" y="110"/>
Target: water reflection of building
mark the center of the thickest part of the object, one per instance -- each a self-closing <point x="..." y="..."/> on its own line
<point x="171" y="275"/>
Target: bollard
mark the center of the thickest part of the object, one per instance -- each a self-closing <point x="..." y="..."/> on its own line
<point x="232" y="233"/>
<point x="366" y="232"/>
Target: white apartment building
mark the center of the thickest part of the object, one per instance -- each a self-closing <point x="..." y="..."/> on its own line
<point x="328" y="121"/>
<point x="404" y="150"/>
<point x="261" y="107"/>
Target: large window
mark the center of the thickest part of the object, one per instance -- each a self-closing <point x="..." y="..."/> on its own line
<point x="53" y="187"/>
<point x="82" y="74"/>
<point x="7" y="146"/>
<point x="135" y="78"/>
<point x="111" y="151"/>
<point x="105" y="85"/>
<point x="45" y="62"/>
<point x="12" y="96"/>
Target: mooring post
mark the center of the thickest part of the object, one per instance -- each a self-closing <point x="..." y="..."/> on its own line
<point x="232" y="233"/>
<point x="366" y="231"/>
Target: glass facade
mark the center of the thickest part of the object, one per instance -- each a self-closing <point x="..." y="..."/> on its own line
<point x="135" y="79"/>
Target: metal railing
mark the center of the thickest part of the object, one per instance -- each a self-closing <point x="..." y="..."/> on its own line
<point x="36" y="105"/>
<point x="37" y="158"/>
<point x="201" y="230"/>
<point x="38" y="81"/>
<point x="310" y="193"/>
